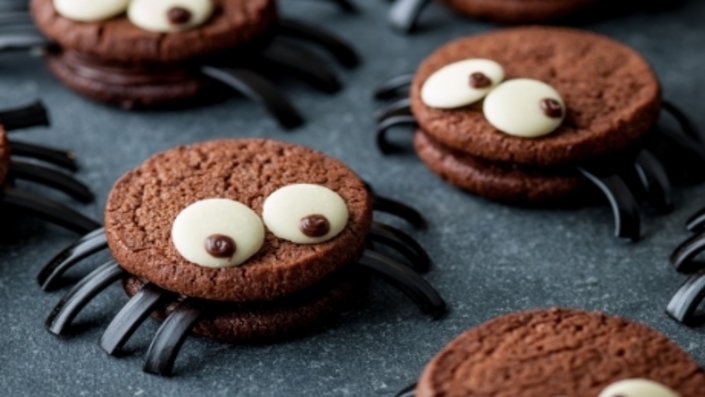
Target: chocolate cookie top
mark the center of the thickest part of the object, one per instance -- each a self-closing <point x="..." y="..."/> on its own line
<point x="4" y="155"/>
<point x="142" y="210"/>
<point x="558" y="352"/>
<point x="518" y="11"/>
<point x="233" y="22"/>
<point x="611" y="95"/>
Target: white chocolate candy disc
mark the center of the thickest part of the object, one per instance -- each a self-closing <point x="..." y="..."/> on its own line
<point x="638" y="388"/>
<point x="153" y="15"/>
<point x="90" y="10"/>
<point x="514" y="107"/>
<point x="450" y="87"/>
<point x="206" y="218"/>
<point x="284" y="210"/>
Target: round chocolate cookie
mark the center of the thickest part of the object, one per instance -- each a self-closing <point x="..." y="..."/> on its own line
<point x="519" y="11"/>
<point x="611" y="95"/>
<point x="561" y="352"/>
<point x="4" y="155"/>
<point x="144" y="204"/>
<point x="496" y="180"/>
<point x="233" y="23"/>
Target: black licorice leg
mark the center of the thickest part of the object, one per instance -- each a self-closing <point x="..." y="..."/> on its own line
<point x="402" y="243"/>
<point x="696" y="223"/>
<point x="683" y="256"/>
<point x="70" y="305"/>
<point x="303" y="64"/>
<point x="406" y="280"/>
<point x="46" y="176"/>
<point x="394" y="87"/>
<point x="169" y="338"/>
<point x="627" y="220"/>
<point x="57" y="157"/>
<point x="88" y="245"/>
<point x="131" y="316"/>
<point x="409" y="391"/>
<point x="404" y="14"/>
<point x="32" y="115"/>
<point x="655" y="180"/>
<point x="686" y="125"/>
<point x="383" y="143"/>
<point x="338" y="47"/>
<point x="685" y="302"/>
<point x="48" y="210"/>
<point x="21" y="41"/>
<point x="257" y="88"/>
<point x="345" y="5"/>
<point x="399" y="209"/>
<point x="400" y="107"/>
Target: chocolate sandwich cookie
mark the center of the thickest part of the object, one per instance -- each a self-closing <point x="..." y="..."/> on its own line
<point x="537" y="115"/>
<point x="561" y="352"/>
<point x="238" y="240"/>
<point x="141" y="53"/>
<point x="27" y="162"/>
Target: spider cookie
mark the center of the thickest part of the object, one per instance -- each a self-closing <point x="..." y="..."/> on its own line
<point x="27" y="162"/>
<point x="239" y="240"/>
<point x="540" y="115"/>
<point x="561" y="352"/>
<point x="144" y="53"/>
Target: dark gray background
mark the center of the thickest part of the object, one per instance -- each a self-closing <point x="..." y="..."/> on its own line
<point x="490" y="258"/>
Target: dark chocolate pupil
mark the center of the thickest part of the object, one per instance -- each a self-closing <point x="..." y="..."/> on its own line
<point x="480" y="80"/>
<point x="179" y="15"/>
<point x="314" y="226"/>
<point x="220" y="246"/>
<point x="552" y="108"/>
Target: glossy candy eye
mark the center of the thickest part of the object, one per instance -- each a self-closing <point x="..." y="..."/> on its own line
<point x="461" y="83"/>
<point x="305" y="214"/>
<point x="638" y="388"/>
<point x="525" y="108"/>
<point x="166" y="16"/>
<point x="90" y="10"/>
<point x="217" y="233"/>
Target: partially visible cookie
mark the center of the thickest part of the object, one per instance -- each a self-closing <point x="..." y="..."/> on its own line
<point x="519" y="11"/>
<point x="561" y="352"/>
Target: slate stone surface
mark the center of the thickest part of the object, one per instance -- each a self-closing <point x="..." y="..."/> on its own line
<point x="490" y="259"/>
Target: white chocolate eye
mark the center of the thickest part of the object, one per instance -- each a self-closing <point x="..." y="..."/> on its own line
<point x="217" y="233"/>
<point x="166" y="16"/>
<point x="461" y="83"/>
<point x="637" y="388"/>
<point x="525" y="108"/>
<point x="305" y="214"/>
<point x="90" y="10"/>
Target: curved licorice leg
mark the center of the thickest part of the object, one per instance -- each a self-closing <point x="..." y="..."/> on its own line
<point x="406" y="280"/>
<point x="337" y="47"/>
<point x="169" y="338"/>
<point x="57" y="157"/>
<point x="404" y="14"/>
<point x="683" y="256"/>
<point x="400" y="107"/>
<point x="257" y="88"/>
<point x="684" y="122"/>
<point x="402" y="243"/>
<point x="408" y="391"/>
<point x="627" y="220"/>
<point x="21" y="41"/>
<point x="383" y="143"/>
<point x="131" y="316"/>
<point x="48" y="210"/>
<point x="52" y="178"/>
<point x="345" y="5"/>
<point x="394" y="87"/>
<point x="88" y="245"/>
<point x="686" y="301"/>
<point x="32" y="115"/>
<point x="70" y="305"/>
<point x="302" y="63"/>
<point x="696" y="223"/>
<point x="655" y="180"/>
<point x="399" y="209"/>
